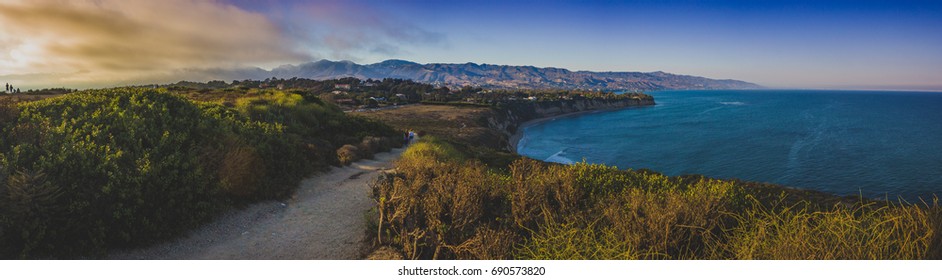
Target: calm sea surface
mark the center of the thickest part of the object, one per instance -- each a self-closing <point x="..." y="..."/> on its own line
<point x="846" y="142"/>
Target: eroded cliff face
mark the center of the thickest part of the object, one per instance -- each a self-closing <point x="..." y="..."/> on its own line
<point x="507" y="120"/>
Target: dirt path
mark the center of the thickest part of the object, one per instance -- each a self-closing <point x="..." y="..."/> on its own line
<point x="326" y="219"/>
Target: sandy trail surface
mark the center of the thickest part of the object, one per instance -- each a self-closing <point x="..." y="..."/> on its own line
<point x="326" y="219"/>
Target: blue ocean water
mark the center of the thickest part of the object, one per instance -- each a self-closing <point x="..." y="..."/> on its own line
<point x="878" y="144"/>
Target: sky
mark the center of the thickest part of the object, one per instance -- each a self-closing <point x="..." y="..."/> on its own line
<point x="778" y="44"/>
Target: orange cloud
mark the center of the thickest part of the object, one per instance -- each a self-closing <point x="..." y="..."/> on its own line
<point x="109" y="42"/>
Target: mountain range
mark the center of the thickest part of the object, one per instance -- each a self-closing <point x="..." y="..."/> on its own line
<point x="501" y="76"/>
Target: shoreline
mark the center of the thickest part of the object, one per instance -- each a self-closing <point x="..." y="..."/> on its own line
<point x="806" y="193"/>
<point x="514" y="139"/>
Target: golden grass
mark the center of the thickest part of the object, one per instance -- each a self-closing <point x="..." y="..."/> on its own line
<point x="443" y="204"/>
<point x="861" y="231"/>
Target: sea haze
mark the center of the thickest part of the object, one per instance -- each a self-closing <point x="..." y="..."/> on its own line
<point x="874" y="143"/>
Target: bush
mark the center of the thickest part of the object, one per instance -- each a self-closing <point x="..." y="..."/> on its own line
<point x="436" y="208"/>
<point x="348" y="154"/>
<point x="370" y="146"/>
<point x="441" y="204"/>
<point x="240" y="171"/>
<point x="861" y="231"/>
<point x="100" y="169"/>
<point x="125" y="179"/>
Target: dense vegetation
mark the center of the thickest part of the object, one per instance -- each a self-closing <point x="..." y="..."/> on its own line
<point x="446" y="204"/>
<point x="87" y="172"/>
<point x="353" y="93"/>
<point x="349" y="93"/>
<point x="101" y="169"/>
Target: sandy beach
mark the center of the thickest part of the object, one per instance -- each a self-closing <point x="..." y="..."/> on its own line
<point x="518" y="135"/>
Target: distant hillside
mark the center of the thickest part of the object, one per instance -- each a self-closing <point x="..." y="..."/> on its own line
<point x="503" y="76"/>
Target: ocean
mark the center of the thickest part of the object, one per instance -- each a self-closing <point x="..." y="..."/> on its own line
<point x="878" y="144"/>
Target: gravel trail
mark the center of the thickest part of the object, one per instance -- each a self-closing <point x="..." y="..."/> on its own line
<point x="326" y="219"/>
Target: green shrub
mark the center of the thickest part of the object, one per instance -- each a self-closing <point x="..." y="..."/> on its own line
<point x="240" y="171"/>
<point x="100" y="169"/>
<point x="125" y="163"/>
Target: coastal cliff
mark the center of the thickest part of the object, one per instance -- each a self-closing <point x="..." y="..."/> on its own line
<point x="494" y="126"/>
<point x="513" y="207"/>
<point x="508" y="119"/>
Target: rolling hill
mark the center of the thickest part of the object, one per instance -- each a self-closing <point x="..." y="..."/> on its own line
<point x="503" y="76"/>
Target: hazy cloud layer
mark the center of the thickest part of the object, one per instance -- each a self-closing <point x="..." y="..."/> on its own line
<point x="105" y="42"/>
<point x="349" y="29"/>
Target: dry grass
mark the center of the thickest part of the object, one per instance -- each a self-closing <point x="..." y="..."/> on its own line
<point x="436" y="206"/>
<point x="443" y="204"/>
<point x="26" y="97"/>
<point x="451" y="200"/>
<point x="348" y="154"/>
<point x="458" y="124"/>
<point x="861" y="231"/>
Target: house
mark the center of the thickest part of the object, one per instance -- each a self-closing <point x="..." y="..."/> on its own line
<point x="378" y="98"/>
<point x="531" y="98"/>
<point x="400" y="95"/>
<point x="342" y="86"/>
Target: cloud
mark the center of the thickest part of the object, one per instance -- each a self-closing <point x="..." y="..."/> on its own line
<point x="347" y="28"/>
<point x="96" y="43"/>
<point x="104" y="42"/>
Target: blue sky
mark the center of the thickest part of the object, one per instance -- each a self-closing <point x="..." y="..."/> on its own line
<point x="787" y="44"/>
<point x="829" y="44"/>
